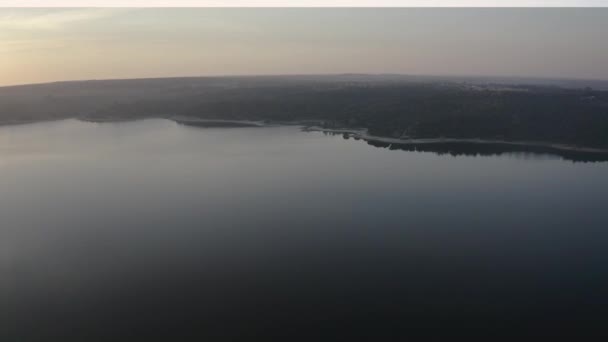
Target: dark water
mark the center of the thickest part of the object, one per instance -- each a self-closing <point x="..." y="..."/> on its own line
<point x="154" y="231"/>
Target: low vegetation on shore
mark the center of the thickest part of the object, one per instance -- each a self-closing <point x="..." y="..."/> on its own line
<point x="391" y="107"/>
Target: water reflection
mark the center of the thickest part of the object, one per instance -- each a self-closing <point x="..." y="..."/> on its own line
<point x="150" y="230"/>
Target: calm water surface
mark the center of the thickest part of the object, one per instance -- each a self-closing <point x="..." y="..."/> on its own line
<point x="126" y="231"/>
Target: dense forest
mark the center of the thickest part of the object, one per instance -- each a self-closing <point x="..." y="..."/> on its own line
<point x="392" y="107"/>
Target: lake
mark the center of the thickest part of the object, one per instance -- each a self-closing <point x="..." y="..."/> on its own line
<point x="152" y="229"/>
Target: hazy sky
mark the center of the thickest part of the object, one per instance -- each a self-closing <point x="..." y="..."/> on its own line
<point x="38" y="45"/>
<point x="300" y="3"/>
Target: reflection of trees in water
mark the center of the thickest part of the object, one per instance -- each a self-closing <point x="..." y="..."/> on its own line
<point x="487" y="149"/>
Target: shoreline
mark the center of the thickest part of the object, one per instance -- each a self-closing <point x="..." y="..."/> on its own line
<point x="363" y="135"/>
<point x="312" y="126"/>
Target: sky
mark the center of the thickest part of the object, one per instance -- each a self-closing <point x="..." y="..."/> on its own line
<point x="299" y="3"/>
<point x="41" y="45"/>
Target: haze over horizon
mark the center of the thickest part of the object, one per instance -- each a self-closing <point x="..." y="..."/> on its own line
<point x="47" y="45"/>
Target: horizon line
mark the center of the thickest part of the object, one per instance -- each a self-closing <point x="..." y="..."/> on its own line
<point x="516" y="77"/>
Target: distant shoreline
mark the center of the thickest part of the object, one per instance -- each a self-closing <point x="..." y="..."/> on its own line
<point x="313" y="126"/>
<point x="363" y="135"/>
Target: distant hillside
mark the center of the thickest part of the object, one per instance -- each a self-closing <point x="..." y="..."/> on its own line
<point x="560" y="111"/>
